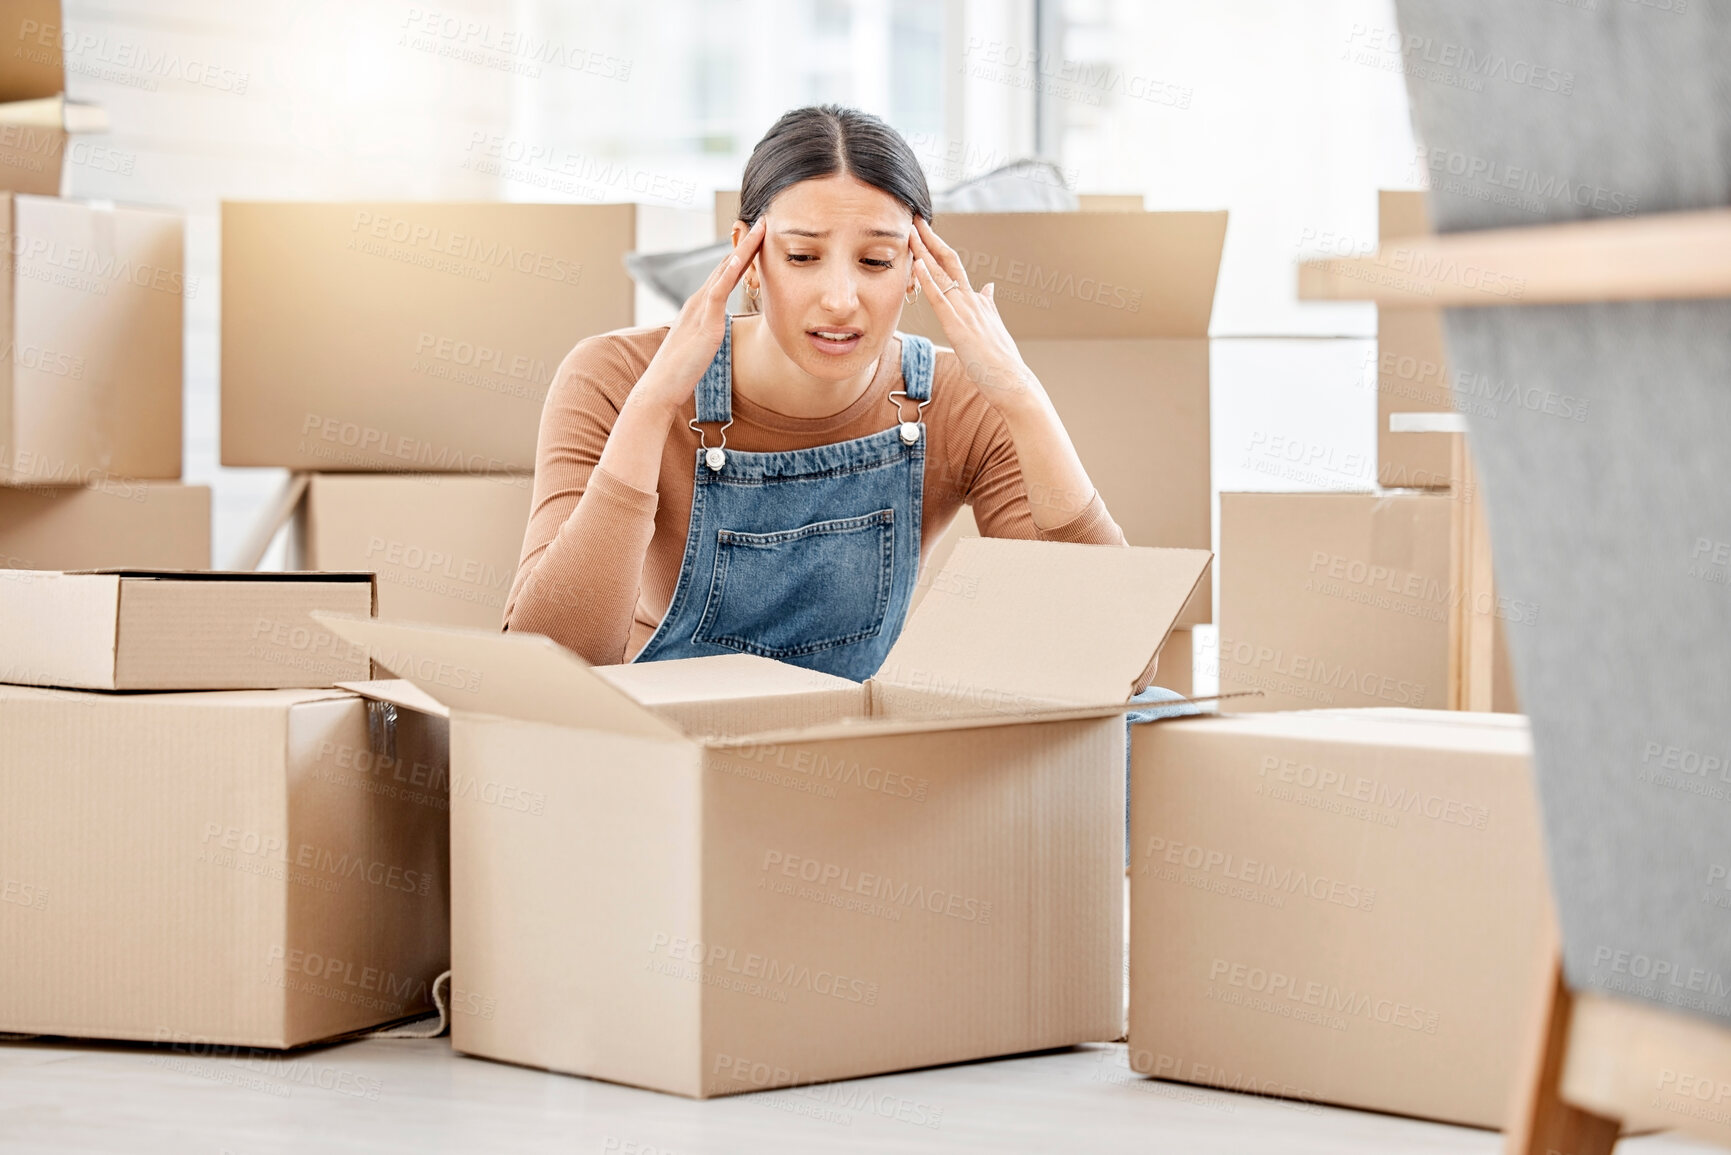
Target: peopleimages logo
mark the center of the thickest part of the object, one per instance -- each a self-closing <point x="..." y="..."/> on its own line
<point x="877" y="886"/>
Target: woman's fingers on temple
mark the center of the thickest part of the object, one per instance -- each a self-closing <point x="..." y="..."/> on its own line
<point x="934" y="291"/>
<point x="947" y="259"/>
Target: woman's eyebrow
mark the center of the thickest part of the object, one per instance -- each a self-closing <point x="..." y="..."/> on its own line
<point x="893" y="234"/>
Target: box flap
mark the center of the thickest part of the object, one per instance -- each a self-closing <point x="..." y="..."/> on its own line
<point x="398" y="692"/>
<point x="523" y="676"/>
<point x="717" y="678"/>
<point x="1032" y="621"/>
<point x="1087" y="274"/>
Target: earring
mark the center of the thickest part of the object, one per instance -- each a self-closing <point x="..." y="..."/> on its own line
<point x="751" y="297"/>
<point x="912" y="294"/>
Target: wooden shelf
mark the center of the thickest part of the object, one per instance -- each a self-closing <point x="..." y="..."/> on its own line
<point x="1664" y="256"/>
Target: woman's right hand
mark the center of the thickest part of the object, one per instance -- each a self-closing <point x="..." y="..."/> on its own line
<point x="695" y="335"/>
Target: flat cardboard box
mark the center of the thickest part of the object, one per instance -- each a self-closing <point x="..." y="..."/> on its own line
<point x="411" y="337"/>
<point x="260" y="868"/>
<point x="444" y="547"/>
<point x="1412" y="373"/>
<point x="91" y="306"/>
<point x="30" y="44"/>
<point x="767" y="877"/>
<point x="1343" y="600"/>
<point x="119" y="523"/>
<point x="178" y="630"/>
<point x="1342" y="907"/>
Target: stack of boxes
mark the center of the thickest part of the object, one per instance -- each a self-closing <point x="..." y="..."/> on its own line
<point x="91" y="306"/>
<point x="230" y="850"/>
<point x="1337" y="891"/>
<point x="1344" y="599"/>
<point x="398" y="356"/>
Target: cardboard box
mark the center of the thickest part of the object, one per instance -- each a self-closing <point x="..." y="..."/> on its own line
<point x="1338" y="906"/>
<point x="1343" y="600"/>
<point x="1411" y="366"/>
<point x="1111" y="310"/>
<point x="253" y="868"/>
<point x="444" y="547"/>
<point x="118" y="523"/>
<point x="35" y="138"/>
<point x="411" y="337"/>
<point x="727" y="874"/>
<point x="91" y="309"/>
<point x="30" y="44"/>
<point x="168" y="630"/>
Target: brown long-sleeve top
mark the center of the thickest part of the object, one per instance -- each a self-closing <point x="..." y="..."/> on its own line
<point x="601" y="558"/>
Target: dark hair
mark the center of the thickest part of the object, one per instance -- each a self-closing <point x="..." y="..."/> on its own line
<point x="826" y="139"/>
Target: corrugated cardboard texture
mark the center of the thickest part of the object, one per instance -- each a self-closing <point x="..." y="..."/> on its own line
<point x="786" y="914"/>
<point x="572" y="851"/>
<point x="1012" y="624"/>
<point x="141" y="525"/>
<point x="30" y="31"/>
<point x="1344" y="907"/>
<point x="1067" y="275"/>
<point x="239" y="868"/>
<point x="169" y="632"/>
<point x="1615" y="524"/>
<point x="1411" y="372"/>
<point x="444" y="547"/>
<point x="440" y="328"/>
<point x="97" y="296"/>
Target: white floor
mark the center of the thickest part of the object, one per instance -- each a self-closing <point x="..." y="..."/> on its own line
<point x="416" y="1096"/>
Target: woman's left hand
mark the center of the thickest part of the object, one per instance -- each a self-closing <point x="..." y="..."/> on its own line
<point x="971" y="322"/>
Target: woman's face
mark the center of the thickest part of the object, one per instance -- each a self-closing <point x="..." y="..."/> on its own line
<point x="833" y="272"/>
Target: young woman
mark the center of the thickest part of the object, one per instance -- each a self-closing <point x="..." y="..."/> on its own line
<point x="767" y="483"/>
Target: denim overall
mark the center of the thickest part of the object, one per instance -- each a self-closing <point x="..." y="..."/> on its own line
<point x="807" y="556"/>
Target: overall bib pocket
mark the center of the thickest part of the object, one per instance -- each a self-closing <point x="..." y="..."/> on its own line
<point x="782" y="595"/>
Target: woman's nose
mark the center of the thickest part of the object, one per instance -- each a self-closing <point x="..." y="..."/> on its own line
<point x="840" y="293"/>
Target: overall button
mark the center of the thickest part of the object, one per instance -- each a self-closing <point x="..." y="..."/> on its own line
<point x="716" y="458"/>
<point x="910" y="432"/>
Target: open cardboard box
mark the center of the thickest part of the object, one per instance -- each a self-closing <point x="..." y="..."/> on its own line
<point x="725" y="874"/>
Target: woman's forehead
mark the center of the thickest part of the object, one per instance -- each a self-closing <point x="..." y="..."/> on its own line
<point x="838" y="207"/>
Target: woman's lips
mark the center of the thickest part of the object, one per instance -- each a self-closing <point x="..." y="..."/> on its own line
<point x="834" y="342"/>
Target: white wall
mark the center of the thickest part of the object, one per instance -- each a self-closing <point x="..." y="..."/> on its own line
<point x="1258" y="106"/>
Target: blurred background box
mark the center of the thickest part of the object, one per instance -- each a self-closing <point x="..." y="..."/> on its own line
<point x="91" y="312"/>
<point x="1342" y="600"/>
<point x="30" y="45"/>
<point x="444" y="546"/>
<point x="253" y="867"/>
<point x="1411" y="367"/>
<point x="35" y="139"/>
<point x="1363" y="901"/>
<point x="414" y="337"/>
<point x="131" y="524"/>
